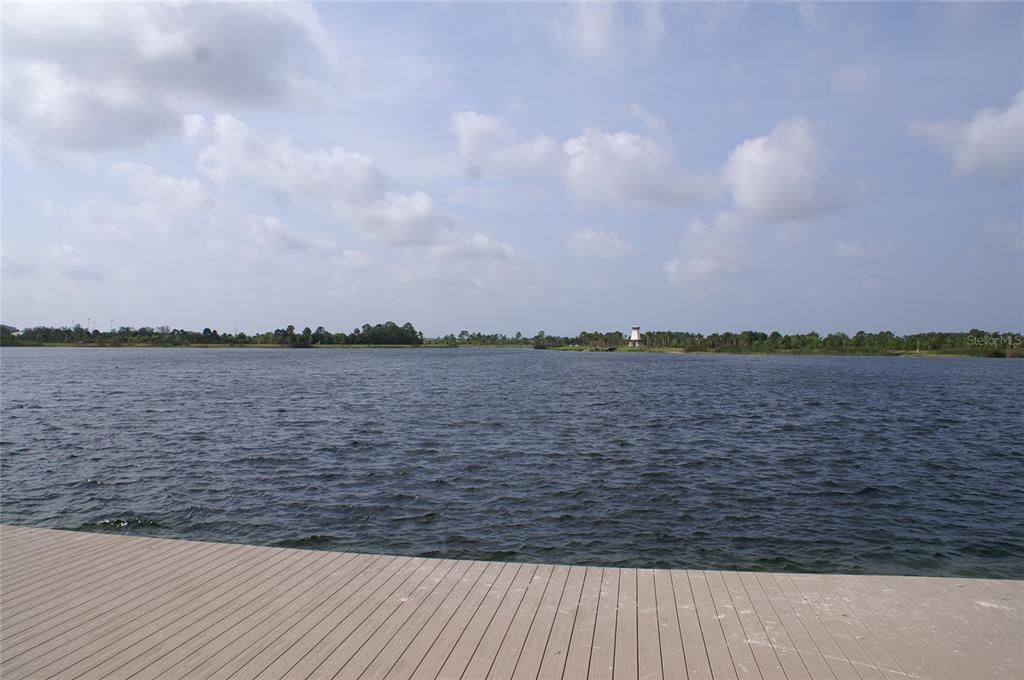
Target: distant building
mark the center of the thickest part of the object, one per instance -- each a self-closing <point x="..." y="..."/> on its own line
<point x="634" y="337"/>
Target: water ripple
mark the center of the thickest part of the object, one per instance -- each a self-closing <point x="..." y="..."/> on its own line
<point x="864" y="465"/>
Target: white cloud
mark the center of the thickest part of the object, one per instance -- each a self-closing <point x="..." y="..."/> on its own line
<point x="468" y="263"/>
<point x="351" y="189"/>
<point x="168" y="207"/>
<point x="783" y="176"/>
<point x="623" y="167"/>
<point x="587" y="29"/>
<point x="83" y="77"/>
<point x="71" y="263"/>
<point x="194" y="125"/>
<point x="273" y="234"/>
<point x="472" y="247"/>
<point x="654" y="124"/>
<point x="333" y="176"/>
<point x="597" y="31"/>
<point x="486" y="142"/>
<point x="403" y="220"/>
<point x="869" y="248"/>
<point x="854" y="77"/>
<point x="15" y="261"/>
<point x="596" y="243"/>
<point x="709" y="251"/>
<point x="347" y="185"/>
<point x="156" y="204"/>
<point x="349" y="259"/>
<point x="992" y="142"/>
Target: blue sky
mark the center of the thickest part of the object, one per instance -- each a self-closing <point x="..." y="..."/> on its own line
<point x="515" y="167"/>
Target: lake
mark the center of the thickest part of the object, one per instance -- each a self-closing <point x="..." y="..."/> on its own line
<point x="784" y="463"/>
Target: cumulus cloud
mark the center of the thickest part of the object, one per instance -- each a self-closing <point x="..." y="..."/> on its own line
<point x="783" y="176"/>
<point x="709" y="251"/>
<point x="83" y="77"/>
<point x="193" y="125"/>
<point x="597" y="31"/>
<point x="869" y="248"/>
<point x="623" y="167"/>
<point x="992" y="142"/>
<point x="166" y="207"/>
<point x="271" y="232"/>
<point x="335" y="176"/>
<point x="596" y="243"/>
<point x="486" y="142"/>
<point x="613" y="168"/>
<point x="153" y="204"/>
<point x="350" y="188"/>
<point x="348" y="184"/>
<point x="404" y="220"/>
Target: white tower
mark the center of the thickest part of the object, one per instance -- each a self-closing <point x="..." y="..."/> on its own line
<point x="634" y="337"/>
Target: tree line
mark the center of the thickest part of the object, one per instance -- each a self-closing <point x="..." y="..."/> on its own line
<point x="387" y="333"/>
<point x="974" y="342"/>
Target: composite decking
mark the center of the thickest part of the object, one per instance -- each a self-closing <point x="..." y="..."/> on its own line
<point x="78" y="605"/>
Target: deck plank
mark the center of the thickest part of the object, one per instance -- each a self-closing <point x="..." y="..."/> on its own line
<point x="581" y="643"/>
<point x="670" y="639"/>
<point x="626" y="629"/>
<point x="88" y="606"/>
<point x="602" y="656"/>
<point x="475" y="610"/>
<point x="485" y="641"/>
<point x="82" y="644"/>
<point x="108" y="654"/>
<point x="84" y="612"/>
<point x="648" y="627"/>
<point x="279" y="659"/>
<point x="470" y="586"/>
<point x="836" y="626"/>
<point x="695" y="649"/>
<point x="345" y="639"/>
<point x="504" y="663"/>
<point x="452" y="588"/>
<point x="171" y="649"/>
<point x="99" y="618"/>
<point x="231" y="639"/>
<point x="775" y="633"/>
<point x="532" y="651"/>
<point x="767" y="657"/>
<point x="720" y="656"/>
<point x="58" y="601"/>
<point x="240" y="655"/>
<point x="552" y="664"/>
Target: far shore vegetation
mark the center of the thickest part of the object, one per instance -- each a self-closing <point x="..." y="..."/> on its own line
<point x="389" y="334"/>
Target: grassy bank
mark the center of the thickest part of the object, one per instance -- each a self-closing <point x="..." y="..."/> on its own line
<point x="979" y="353"/>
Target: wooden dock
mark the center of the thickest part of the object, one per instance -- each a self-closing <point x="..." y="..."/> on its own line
<point x="85" y="606"/>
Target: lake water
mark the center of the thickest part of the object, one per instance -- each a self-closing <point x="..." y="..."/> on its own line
<point x="825" y="464"/>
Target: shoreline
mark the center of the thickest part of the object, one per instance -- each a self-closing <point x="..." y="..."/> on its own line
<point x="1014" y="354"/>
